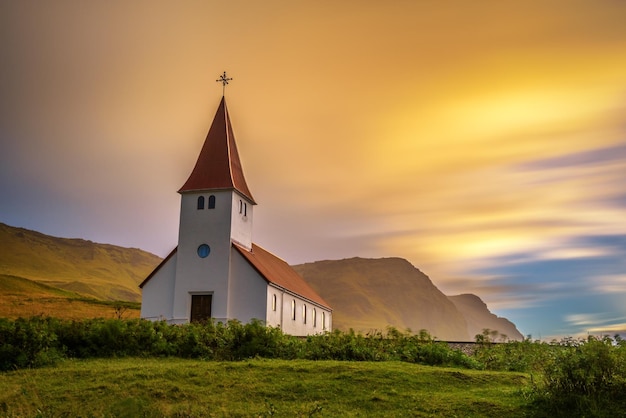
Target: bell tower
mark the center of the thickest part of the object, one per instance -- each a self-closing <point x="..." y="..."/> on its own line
<point x="216" y="210"/>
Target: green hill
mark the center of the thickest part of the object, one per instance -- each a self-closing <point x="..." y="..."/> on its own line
<point x="100" y="271"/>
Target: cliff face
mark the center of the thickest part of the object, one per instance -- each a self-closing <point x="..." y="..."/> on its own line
<point x="479" y="317"/>
<point x="373" y="294"/>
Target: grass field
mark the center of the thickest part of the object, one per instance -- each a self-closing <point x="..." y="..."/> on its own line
<point x="174" y="387"/>
<point x="20" y="297"/>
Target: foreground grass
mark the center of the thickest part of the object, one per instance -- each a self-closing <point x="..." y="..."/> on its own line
<point x="175" y="387"/>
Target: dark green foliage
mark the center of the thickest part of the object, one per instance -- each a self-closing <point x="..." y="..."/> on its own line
<point x="40" y="341"/>
<point x="514" y="356"/>
<point x="27" y="343"/>
<point x="586" y="378"/>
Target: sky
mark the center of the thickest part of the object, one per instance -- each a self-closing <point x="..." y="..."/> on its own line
<point x="485" y="142"/>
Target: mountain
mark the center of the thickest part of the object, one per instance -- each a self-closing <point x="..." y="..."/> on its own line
<point x="372" y="294"/>
<point x="478" y="317"/>
<point x="100" y="271"/>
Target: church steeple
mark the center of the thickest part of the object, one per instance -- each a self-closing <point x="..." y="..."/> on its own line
<point x="218" y="165"/>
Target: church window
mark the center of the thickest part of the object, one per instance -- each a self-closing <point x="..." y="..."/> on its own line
<point x="211" y="202"/>
<point x="203" y="251"/>
<point x="274" y="302"/>
<point x="314" y="318"/>
<point x="304" y="314"/>
<point x="245" y="209"/>
<point x="293" y="309"/>
<point x="323" y="320"/>
<point x="200" y="202"/>
<point x="240" y="206"/>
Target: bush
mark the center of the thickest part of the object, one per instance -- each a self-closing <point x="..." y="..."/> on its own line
<point x="586" y="378"/>
<point x="40" y="341"/>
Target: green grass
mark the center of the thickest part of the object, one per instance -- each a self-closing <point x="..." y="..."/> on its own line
<point x="174" y="387"/>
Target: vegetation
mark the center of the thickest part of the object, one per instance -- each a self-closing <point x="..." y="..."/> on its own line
<point x="38" y="341"/>
<point x="570" y="377"/>
<point x="20" y="297"/>
<point x="576" y="377"/>
<point x="135" y="387"/>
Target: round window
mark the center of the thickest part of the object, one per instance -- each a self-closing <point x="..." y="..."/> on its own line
<point x="204" y="250"/>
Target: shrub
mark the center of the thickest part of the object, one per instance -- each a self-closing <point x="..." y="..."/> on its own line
<point x="40" y="341"/>
<point x="586" y="379"/>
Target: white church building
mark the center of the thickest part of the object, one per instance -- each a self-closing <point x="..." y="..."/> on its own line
<point x="216" y="271"/>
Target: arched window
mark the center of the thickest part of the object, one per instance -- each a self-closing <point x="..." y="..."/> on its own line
<point x="240" y="206"/>
<point x="201" y="202"/>
<point x="314" y="318"/>
<point x="293" y="309"/>
<point x="304" y="314"/>
<point x="323" y="320"/>
<point x="274" y="302"/>
<point x="245" y="209"/>
<point x="211" y="202"/>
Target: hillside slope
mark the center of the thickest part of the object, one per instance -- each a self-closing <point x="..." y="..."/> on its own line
<point x="372" y="294"/>
<point x="20" y="297"/>
<point x="102" y="271"/>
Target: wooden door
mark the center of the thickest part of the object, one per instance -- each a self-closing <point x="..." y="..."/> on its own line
<point x="200" y="307"/>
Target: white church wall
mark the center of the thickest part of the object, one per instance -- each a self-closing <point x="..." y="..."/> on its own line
<point x="274" y="301"/>
<point x="203" y="275"/>
<point x="157" y="293"/>
<point x="247" y="290"/>
<point x="241" y="220"/>
<point x="298" y="317"/>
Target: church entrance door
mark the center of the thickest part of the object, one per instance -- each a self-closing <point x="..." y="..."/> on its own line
<point x="200" y="307"/>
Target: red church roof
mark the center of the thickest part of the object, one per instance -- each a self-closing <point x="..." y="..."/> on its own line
<point x="278" y="272"/>
<point x="218" y="165"/>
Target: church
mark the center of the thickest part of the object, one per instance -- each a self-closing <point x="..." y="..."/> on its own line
<point x="216" y="271"/>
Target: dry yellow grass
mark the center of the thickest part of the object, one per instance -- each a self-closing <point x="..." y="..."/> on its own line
<point x="24" y="298"/>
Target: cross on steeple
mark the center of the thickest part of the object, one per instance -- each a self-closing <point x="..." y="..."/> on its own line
<point x="224" y="80"/>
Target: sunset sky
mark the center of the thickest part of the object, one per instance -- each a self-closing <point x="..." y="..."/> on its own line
<point x="485" y="142"/>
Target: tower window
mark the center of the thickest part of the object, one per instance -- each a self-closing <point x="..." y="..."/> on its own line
<point x="211" y="202"/>
<point x="203" y="251"/>
<point x="200" y="202"/>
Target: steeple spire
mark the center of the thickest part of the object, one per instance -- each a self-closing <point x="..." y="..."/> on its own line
<point x="218" y="165"/>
